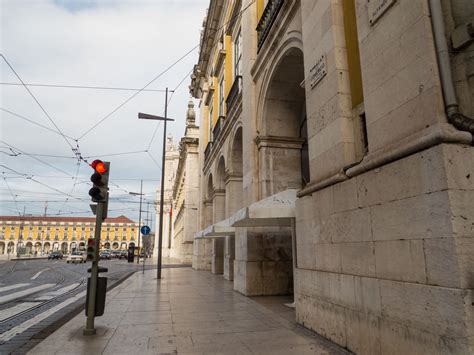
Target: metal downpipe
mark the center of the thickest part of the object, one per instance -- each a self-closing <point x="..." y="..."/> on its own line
<point x="455" y="117"/>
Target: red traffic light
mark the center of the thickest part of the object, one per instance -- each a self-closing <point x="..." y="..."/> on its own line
<point x="99" y="166"/>
<point x="90" y="242"/>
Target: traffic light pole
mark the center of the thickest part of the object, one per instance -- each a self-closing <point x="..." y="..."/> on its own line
<point x="90" y="330"/>
<point x="140" y="220"/>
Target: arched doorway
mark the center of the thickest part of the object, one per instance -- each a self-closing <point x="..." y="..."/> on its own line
<point x="64" y="247"/>
<point x="123" y="245"/>
<point x="46" y="247"/>
<point x="55" y="246"/>
<point x="73" y="247"/>
<point x="82" y="246"/>
<point x="29" y="248"/>
<point x="284" y="162"/>
<point x="107" y="245"/>
<point x="10" y="247"/>
<point x="115" y="246"/>
<point x="38" y="247"/>
<point x="2" y="248"/>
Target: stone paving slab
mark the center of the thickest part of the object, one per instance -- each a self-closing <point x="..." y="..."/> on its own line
<point x="187" y="312"/>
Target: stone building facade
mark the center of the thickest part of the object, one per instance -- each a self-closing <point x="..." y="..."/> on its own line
<point x="336" y="162"/>
<point x="44" y="234"/>
<point x="185" y="191"/>
<point x="171" y="164"/>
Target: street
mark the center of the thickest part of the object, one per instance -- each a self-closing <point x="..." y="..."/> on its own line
<point x="35" y="294"/>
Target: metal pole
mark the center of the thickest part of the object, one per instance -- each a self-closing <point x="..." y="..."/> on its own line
<point x="90" y="330"/>
<point x="162" y="192"/>
<point x="140" y="220"/>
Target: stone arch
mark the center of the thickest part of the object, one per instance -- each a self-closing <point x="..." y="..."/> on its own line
<point x="235" y="152"/>
<point x="29" y="247"/>
<point x="46" y="247"/>
<point x="220" y="174"/>
<point x="210" y="187"/>
<point x="282" y="143"/>
<point x="64" y="247"/>
<point x="55" y="246"/>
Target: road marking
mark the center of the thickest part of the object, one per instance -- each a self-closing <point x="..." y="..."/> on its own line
<point x="52" y="294"/>
<point x="13" y="296"/>
<point x="39" y="273"/>
<point x="35" y="320"/>
<point x="12" y="287"/>
<point x="7" y="313"/>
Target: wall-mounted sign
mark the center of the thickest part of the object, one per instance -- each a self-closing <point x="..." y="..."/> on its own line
<point x="318" y="71"/>
<point x="377" y="8"/>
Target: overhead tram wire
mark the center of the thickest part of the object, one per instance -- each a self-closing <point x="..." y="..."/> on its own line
<point x="41" y="161"/>
<point x="13" y="195"/>
<point x="169" y="100"/>
<point x="163" y="72"/>
<point x="82" y="87"/>
<point x="33" y="122"/>
<point x="136" y="93"/>
<point x="36" y="100"/>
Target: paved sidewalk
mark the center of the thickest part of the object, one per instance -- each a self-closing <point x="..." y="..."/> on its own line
<point x="187" y="312"/>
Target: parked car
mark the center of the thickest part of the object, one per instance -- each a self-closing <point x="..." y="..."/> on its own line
<point x="55" y="255"/>
<point x="115" y="254"/>
<point x="76" y="257"/>
<point x="105" y="255"/>
<point x="123" y="254"/>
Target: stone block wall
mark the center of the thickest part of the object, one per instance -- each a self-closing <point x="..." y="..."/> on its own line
<point x="263" y="261"/>
<point x="202" y="255"/>
<point x="385" y="259"/>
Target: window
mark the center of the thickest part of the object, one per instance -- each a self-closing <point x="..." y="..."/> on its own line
<point x="238" y="54"/>
<point x="221" y="95"/>
<point x="211" y="109"/>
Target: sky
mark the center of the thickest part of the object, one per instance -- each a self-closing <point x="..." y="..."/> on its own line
<point x="105" y="43"/>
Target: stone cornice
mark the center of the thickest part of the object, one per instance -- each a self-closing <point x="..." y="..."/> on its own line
<point x="279" y="142"/>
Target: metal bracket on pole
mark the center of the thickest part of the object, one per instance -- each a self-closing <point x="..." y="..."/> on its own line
<point x="89" y="329"/>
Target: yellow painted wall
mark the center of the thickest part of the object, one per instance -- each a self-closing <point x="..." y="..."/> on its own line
<point x="69" y="233"/>
<point x="61" y="233"/>
<point x="35" y="232"/>
<point x="353" y="56"/>
<point x="228" y="64"/>
<point x="260" y="8"/>
<point x="7" y="232"/>
<point x="26" y="231"/>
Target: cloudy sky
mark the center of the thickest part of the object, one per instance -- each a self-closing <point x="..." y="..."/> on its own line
<point x="120" y="44"/>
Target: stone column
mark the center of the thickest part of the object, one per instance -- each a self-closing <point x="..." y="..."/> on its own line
<point x="217" y="256"/>
<point x="229" y="256"/>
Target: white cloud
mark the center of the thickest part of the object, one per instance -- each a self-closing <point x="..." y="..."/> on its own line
<point x="94" y="43"/>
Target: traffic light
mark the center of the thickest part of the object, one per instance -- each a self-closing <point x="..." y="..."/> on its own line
<point x="91" y="249"/>
<point x="100" y="178"/>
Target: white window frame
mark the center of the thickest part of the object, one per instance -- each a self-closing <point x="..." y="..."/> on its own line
<point x="238" y="54"/>
<point x="221" y="95"/>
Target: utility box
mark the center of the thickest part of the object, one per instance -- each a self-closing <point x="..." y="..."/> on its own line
<point x="99" y="296"/>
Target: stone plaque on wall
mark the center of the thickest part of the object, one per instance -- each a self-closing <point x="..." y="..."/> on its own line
<point x="318" y="71"/>
<point x="377" y="8"/>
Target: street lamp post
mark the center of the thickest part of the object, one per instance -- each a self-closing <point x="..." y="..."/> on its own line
<point x="139" y="216"/>
<point x="165" y="119"/>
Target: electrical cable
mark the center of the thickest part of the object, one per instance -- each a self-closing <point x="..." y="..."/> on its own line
<point x="81" y="87"/>
<point x="31" y="121"/>
<point x="36" y="100"/>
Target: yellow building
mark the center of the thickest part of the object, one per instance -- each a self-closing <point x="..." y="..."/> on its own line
<point x="30" y="235"/>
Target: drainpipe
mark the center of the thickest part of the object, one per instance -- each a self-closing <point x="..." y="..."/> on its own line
<point x="455" y="117"/>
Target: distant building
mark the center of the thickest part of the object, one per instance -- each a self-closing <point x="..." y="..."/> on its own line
<point x="186" y="191"/>
<point x="43" y="234"/>
<point x="171" y="163"/>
